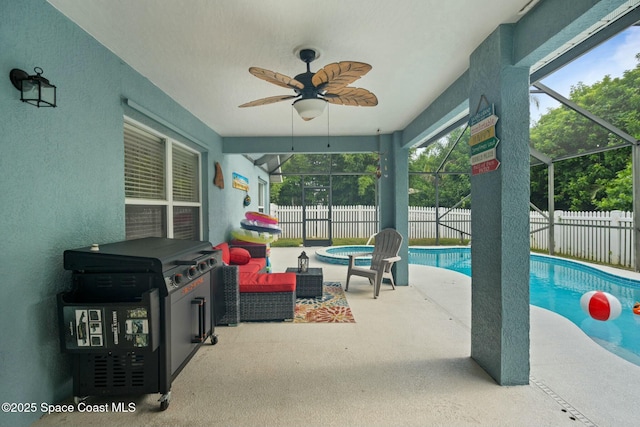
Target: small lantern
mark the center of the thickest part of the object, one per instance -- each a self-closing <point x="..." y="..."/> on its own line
<point x="303" y="263"/>
<point x="35" y="90"/>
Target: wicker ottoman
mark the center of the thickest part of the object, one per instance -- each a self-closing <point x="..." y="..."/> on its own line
<point x="262" y="306"/>
<point x="267" y="296"/>
<point x="257" y="296"/>
<point x="309" y="284"/>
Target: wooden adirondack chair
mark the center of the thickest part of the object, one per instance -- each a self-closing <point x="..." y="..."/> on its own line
<point x="385" y="253"/>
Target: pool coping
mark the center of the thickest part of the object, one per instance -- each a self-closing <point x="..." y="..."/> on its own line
<point x="324" y="256"/>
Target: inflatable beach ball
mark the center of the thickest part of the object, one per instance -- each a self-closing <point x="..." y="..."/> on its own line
<point x="601" y="305"/>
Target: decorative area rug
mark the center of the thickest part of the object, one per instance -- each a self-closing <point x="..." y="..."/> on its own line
<point x="331" y="308"/>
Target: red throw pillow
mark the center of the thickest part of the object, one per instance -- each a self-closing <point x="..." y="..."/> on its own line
<point x="239" y="256"/>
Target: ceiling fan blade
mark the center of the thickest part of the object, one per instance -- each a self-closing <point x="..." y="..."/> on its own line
<point x="339" y="74"/>
<point x="352" y="96"/>
<point x="276" y="78"/>
<point x="268" y="100"/>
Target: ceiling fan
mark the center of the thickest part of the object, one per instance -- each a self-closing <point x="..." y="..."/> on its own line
<point x="314" y="90"/>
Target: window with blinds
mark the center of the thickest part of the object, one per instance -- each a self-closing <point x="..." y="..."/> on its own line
<point x="185" y="175"/>
<point x="162" y="186"/>
<point x="144" y="165"/>
<point x="145" y="221"/>
<point x="185" y="222"/>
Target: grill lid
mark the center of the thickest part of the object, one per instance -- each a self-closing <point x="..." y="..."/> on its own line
<point x="150" y="254"/>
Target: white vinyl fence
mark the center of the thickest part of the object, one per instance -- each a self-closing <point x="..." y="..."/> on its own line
<point x="596" y="236"/>
<point x="346" y="221"/>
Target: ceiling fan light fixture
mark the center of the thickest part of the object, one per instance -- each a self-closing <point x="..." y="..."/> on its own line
<point x="310" y="108"/>
<point x="329" y="84"/>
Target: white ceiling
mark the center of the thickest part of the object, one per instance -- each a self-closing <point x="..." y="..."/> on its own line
<point x="199" y="53"/>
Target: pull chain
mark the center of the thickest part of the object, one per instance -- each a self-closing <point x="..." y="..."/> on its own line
<point x="291" y="127"/>
<point x="328" y="140"/>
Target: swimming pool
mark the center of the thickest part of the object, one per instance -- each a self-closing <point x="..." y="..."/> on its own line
<point x="555" y="284"/>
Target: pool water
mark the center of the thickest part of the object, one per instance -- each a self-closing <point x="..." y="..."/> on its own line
<point x="555" y="284"/>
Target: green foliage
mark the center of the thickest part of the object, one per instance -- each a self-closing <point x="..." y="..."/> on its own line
<point x="596" y="181"/>
<point x="453" y="174"/>
<point x="356" y="189"/>
<point x="618" y="192"/>
<point x="288" y="192"/>
<point x="286" y="243"/>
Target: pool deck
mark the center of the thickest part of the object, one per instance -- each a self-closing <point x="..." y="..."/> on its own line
<point x="565" y="363"/>
<point x="405" y="362"/>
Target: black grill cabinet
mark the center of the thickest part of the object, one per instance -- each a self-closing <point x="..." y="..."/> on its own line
<point x="137" y="312"/>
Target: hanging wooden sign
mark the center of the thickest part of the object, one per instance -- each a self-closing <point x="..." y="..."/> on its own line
<point x="240" y="182"/>
<point x="483" y="141"/>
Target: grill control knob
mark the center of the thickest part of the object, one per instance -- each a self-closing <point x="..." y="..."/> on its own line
<point x="177" y="278"/>
<point x="192" y="272"/>
<point x="203" y="266"/>
<point x="212" y="261"/>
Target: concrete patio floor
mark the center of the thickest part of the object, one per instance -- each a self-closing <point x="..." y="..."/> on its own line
<point x="405" y="362"/>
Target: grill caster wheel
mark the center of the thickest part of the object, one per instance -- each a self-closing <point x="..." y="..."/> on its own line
<point x="164" y="401"/>
<point x="214" y="339"/>
<point x="78" y="399"/>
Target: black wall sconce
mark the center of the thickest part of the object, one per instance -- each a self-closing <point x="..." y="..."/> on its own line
<point x="35" y="90"/>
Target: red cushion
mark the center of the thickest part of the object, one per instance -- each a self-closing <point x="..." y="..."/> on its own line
<point x="261" y="263"/>
<point x="239" y="256"/>
<point x="224" y="247"/>
<point x="255" y="265"/>
<point x="274" y="282"/>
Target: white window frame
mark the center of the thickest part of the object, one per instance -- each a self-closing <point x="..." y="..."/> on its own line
<point x="262" y="196"/>
<point x="169" y="203"/>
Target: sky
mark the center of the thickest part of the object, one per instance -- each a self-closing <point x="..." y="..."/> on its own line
<point x="612" y="58"/>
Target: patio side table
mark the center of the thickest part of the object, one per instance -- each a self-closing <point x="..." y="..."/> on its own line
<point x="309" y="284"/>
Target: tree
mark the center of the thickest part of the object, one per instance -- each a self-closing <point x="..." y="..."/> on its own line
<point x="349" y="186"/>
<point x="453" y="177"/>
<point x="618" y="194"/>
<point x="354" y="189"/>
<point x="595" y="181"/>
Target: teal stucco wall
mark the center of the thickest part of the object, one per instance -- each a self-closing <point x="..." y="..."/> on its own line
<point x="62" y="184"/>
<point x="500" y="220"/>
<point x="234" y="208"/>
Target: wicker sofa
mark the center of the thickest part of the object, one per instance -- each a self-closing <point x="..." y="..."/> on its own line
<point x="253" y="295"/>
<point x="248" y="257"/>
